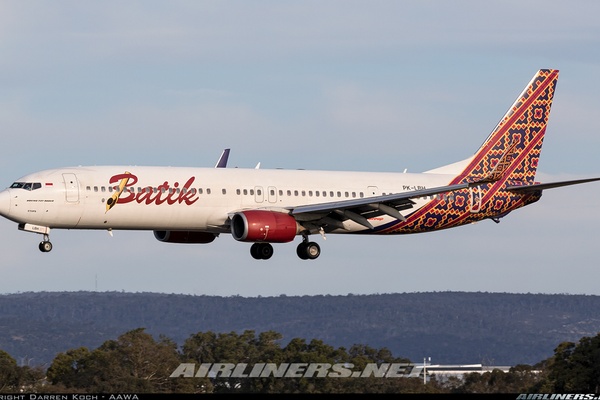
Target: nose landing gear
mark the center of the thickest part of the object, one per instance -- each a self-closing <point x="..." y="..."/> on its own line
<point x="45" y="245"/>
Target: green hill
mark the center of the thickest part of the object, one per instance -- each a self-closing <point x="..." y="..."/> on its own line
<point x="449" y="327"/>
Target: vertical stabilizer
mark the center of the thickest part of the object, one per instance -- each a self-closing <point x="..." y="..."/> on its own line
<point x="512" y="150"/>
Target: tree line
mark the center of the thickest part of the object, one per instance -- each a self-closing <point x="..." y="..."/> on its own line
<point x="136" y="362"/>
<point x="454" y="327"/>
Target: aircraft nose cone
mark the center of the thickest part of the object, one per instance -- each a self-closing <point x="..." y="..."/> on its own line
<point x="4" y="203"/>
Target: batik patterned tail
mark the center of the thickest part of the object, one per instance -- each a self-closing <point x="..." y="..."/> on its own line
<point x="511" y="152"/>
<point x="508" y="157"/>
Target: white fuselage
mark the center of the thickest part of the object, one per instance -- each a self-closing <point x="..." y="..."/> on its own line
<point x="176" y="198"/>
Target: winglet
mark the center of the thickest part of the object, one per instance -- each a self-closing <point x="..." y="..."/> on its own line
<point x="222" y="163"/>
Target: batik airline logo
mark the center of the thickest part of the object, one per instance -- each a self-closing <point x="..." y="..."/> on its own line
<point x="165" y="193"/>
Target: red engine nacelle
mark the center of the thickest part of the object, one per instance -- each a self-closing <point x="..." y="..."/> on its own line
<point x="184" y="236"/>
<point x="264" y="226"/>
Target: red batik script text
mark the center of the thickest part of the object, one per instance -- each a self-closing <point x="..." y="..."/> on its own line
<point x="164" y="193"/>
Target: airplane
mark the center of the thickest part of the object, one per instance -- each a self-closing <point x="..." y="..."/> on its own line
<point x="266" y="206"/>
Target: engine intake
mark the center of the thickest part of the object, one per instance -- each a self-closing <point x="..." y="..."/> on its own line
<point x="184" y="236"/>
<point x="264" y="226"/>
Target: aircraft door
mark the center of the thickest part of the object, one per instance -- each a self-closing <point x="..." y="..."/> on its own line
<point x="475" y="199"/>
<point x="71" y="188"/>
<point x="372" y="191"/>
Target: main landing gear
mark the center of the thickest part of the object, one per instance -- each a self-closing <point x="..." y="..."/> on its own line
<point x="308" y="250"/>
<point x="305" y="250"/>
<point x="261" y="251"/>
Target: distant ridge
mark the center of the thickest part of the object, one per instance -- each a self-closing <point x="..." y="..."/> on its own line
<point x="449" y="327"/>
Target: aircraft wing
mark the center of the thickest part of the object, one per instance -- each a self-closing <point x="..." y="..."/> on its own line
<point x="542" y="186"/>
<point x="360" y="210"/>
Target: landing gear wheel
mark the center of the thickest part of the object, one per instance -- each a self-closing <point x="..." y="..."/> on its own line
<point x="308" y="250"/>
<point x="261" y="251"/>
<point x="254" y="251"/>
<point x="301" y="251"/>
<point x="313" y="250"/>
<point x="45" y="246"/>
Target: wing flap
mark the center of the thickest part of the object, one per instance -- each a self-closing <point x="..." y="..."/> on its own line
<point x="360" y="210"/>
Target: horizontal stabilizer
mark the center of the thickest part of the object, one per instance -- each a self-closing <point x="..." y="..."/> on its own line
<point x="542" y="186"/>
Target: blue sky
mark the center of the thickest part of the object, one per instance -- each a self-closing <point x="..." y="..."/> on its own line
<point x="335" y="85"/>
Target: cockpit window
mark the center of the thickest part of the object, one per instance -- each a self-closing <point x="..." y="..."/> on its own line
<point x="26" y="185"/>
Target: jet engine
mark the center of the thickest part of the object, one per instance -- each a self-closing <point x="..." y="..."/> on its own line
<point x="264" y="226"/>
<point x="184" y="236"/>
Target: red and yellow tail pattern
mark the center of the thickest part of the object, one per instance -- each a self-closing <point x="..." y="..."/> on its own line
<point x="513" y="148"/>
<point x="509" y="156"/>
